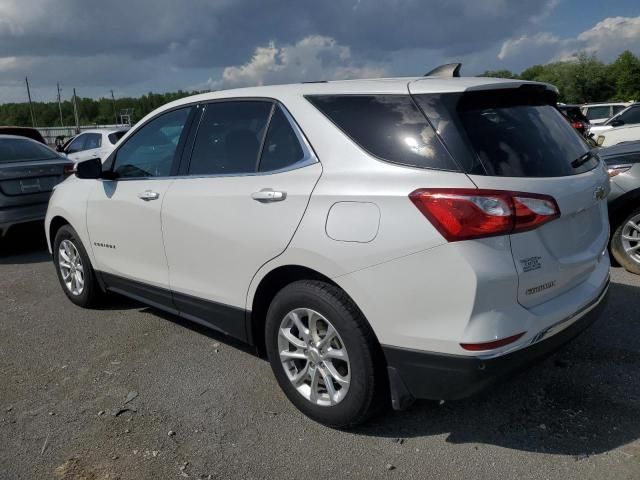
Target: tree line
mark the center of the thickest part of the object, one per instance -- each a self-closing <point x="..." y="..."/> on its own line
<point x="586" y="79"/>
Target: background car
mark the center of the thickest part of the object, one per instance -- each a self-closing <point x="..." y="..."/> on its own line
<point x="97" y="143"/>
<point x="598" y="113"/>
<point x="628" y="116"/>
<point x="28" y="173"/>
<point x="623" y="162"/>
<point x="575" y="117"/>
<point x="614" y="136"/>
<point x="27" y="132"/>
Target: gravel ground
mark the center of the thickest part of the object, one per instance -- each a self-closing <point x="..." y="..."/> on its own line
<point x="203" y="406"/>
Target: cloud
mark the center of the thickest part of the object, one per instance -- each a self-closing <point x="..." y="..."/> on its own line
<point x="607" y="39"/>
<point x="312" y="58"/>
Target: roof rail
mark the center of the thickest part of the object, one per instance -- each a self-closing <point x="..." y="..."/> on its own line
<point x="446" y="70"/>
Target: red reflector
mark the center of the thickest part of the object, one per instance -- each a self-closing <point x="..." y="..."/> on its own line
<point x="69" y="169"/>
<point x="467" y="213"/>
<point x="577" y="125"/>
<point x="476" y="347"/>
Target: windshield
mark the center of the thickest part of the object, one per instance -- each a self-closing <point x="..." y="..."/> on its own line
<point x="23" y="150"/>
<point x="508" y="133"/>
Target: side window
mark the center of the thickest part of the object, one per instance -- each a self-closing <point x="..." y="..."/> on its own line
<point x="598" y="112"/>
<point x="93" y="140"/>
<point x="229" y="138"/>
<point x="617" y="109"/>
<point x="77" y="145"/>
<point x="631" y="116"/>
<point x="150" y="152"/>
<point x="281" y="146"/>
<point x="389" y="127"/>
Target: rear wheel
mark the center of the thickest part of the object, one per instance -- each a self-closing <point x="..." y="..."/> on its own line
<point x="323" y="354"/>
<point x="625" y="243"/>
<point x="74" y="269"/>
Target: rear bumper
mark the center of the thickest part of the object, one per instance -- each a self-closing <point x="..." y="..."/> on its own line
<point x="415" y="374"/>
<point x="14" y="215"/>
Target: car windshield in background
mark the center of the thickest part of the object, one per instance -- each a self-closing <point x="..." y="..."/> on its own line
<point x="115" y="136"/>
<point x="508" y="133"/>
<point x="23" y="150"/>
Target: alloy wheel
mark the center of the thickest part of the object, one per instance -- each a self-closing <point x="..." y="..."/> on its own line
<point x="631" y="238"/>
<point x="71" y="268"/>
<point x="314" y="357"/>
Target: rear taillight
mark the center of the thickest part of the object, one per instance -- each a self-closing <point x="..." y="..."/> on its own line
<point x="577" y="125"/>
<point x="69" y="169"/>
<point x="466" y="213"/>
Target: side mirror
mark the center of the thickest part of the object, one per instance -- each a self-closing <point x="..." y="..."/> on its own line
<point x="89" y="168"/>
<point x="617" y="122"/>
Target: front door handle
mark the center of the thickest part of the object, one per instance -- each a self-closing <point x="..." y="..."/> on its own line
<point x="148" y="195"/>
<point x="267" y="195"/>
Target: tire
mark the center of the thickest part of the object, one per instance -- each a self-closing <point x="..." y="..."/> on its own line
<point x="88" y="293"/>
<point x="624" y="237"/>
<point x="328" y="307"/>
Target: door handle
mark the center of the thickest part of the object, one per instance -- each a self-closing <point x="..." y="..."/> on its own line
<point x="148" y="195"/>
<point x="267" y="195"/>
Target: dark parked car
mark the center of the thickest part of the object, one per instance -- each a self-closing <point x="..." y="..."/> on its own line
<point x="27" y="132"/>
<point x="28" y="173"/>
<point x="575" y="117"/>
<point x="623" y="162"/>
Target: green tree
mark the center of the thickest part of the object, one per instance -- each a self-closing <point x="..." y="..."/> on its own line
<point x="625" y="72"/>
<point x="499" y="74"/>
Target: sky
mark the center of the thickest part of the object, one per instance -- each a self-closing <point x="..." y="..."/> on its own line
<point x="137" y="46"/>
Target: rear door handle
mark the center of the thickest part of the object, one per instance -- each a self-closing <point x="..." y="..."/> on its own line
<point x="148" y="195"/>
<point x="267" y="195"/>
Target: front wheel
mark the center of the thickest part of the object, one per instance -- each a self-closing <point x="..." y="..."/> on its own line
<point x="324" y="355"/>
<point x="625" y="243"/>
<point x="74" y="269"/>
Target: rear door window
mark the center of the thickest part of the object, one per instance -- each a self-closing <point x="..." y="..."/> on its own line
<point x="508" y="133"/>
<point x="281" y="146"/>
<point x="93" y="140"/>
<point x="229" y="138"/>
<point x="389" y="127"/>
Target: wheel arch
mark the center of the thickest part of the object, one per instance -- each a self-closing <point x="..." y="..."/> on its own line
<point x="274" y="281"/>
<point x="56" y="223"/>
<point x="622" y="207"/>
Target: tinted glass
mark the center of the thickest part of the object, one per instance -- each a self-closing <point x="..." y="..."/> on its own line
<point x="23" y="150"/>
<point x="229" y="138"/>
<point x="77" y="144"/>
<point x="512" y="133"/>
<point x="115" y="136"/>
<point x="617" y="109"/>
<point x="389" y="127"/>
<point x="281" y="146"/>
<point x="630" y="116"/>
<point x="93" y="140"/>
<point x="151" y="151"/>
<point x="598" y="112"/>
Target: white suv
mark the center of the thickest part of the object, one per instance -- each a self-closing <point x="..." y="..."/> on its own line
<point x="381" y="240"/>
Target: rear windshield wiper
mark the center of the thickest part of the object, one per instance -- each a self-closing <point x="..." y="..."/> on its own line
<point x="582" y="159"/>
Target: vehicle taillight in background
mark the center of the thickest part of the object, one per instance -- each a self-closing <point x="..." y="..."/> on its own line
<point x="69" y="169"/>
<point x="465" y="214"/>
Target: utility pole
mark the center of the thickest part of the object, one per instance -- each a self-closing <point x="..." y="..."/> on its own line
<point x="60" y="106"/>
<point x="33" y="117"/>
<point x="75" y="111"/>
<point x="115" y="118"/>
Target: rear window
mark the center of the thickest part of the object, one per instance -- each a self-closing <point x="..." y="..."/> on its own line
<point x="19" y="150"/>
<point x="508" y="133"/>
<point x="115" y="136"/>
<point x="389" y="127"/>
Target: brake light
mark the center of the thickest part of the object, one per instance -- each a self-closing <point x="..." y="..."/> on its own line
<point x="467" y="213"/>
<point x="577" y="125"/>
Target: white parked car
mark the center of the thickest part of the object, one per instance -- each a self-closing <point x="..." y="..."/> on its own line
<point x="96" y="143"/>
<point x="628" y="116"/>
<point x="617" y="135"/>
<point x="598" y="113"/>
<point x="373" y="254"/>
